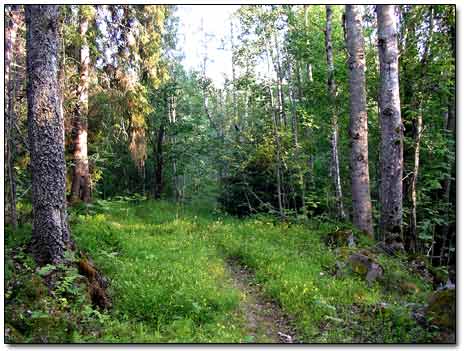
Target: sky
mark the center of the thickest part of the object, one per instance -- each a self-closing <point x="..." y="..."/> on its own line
<point x="216" y="21"/>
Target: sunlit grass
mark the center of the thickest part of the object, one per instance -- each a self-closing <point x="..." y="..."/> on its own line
<point x="166" y="266"/>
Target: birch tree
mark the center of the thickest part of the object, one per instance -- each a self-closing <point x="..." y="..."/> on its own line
<point x="391" y="126"/>
<point x="11" y="52"/>
<point x="80" y="188"/>
<point x="360" y="192"/>
<point x="335" y="163"/>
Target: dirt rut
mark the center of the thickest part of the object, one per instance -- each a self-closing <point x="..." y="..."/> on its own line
<point x="265" y="320"/>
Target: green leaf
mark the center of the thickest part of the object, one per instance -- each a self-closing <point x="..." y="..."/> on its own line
<point x="45" y="270"/>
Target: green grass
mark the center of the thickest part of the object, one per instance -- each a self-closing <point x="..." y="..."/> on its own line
<point x="169" y="283"/>
<point x="165" y="275"/>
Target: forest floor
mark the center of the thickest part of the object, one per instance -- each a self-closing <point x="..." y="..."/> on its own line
<point x="191" y="274"/>
<point x="265" y="320"/>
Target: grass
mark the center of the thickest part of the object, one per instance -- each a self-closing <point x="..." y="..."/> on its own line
<point x="168" y="281"/>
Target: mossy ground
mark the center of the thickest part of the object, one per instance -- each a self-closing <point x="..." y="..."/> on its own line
<point x="169" y="282"/>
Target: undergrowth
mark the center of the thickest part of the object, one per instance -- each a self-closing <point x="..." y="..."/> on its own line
<point x="168" y="281"/>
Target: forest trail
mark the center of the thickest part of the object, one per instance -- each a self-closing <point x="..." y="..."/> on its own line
<point x="265" y="320"/>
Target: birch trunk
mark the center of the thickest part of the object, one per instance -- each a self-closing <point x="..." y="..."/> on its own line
<point x="276" y="140"/>
<point x="280" y="92"/>
<point x="278" y="156"/>
<point x="159" y="162"/>
<point x="80" y="188"/>
<point x="11" y="52"/>
<point x="234" y="92"/>
<point x="391" y="153"/>
<point x="173" y="120"/>
<point x="361" y="197"/>
<point x="50" y="232"/>
<point x="309" y="66"/>
<point x="417" y="131"/>
<point x="449" y="236"/>
<point x="334" y="137"/>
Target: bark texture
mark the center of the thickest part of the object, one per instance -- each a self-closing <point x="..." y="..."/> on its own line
<point x="391" y="126"/>
<point x="50" y="232"/>
<point x="361" y="197"/>
<point x="335" y="163"/>
<point x="80" y="188"/>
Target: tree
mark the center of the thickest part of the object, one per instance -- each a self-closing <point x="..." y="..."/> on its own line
<point x="361" y="197"/>
<point x="335" y="164"/>
<point x="391" y="148"/>
<point x="80" y="188"/>
<point x="11" y="53"/>
<point x="50" y="233"/>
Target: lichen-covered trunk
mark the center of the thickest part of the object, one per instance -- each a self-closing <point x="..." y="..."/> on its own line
<point x="50" y="232"/>
<point x="361" y="197"/>
<point x="11" y="52"/>
<point x="335" y="163"/>
<point x="80" y="188"/>
<point x="391" y="127"/>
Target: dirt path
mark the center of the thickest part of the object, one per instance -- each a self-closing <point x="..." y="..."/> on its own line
<point x="265" y="321"/>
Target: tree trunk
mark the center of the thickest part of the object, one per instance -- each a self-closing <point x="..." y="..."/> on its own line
<point x="309" y="66"/>
<point x="448" y="234"/>
<point x="11" y="52"/>
<point x="298" y="79"/>
<point x="361" y="197"/>
<point x="280" y="92"/>
<point x="278" y="156"/>
<point x="159" y="162"/>
<point x="234" y="91"/>
<point x="391" y="153"/>
<point x="334" y="137"/>
<point x="276" y="140"/>
<point x="172" y="120"/>
<point x="417" y="133"/>
<point x="412" y="240"/>
<point x="50" y="232"/>
<point x="80" y="188"/>
<point x="295" y="133"/>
